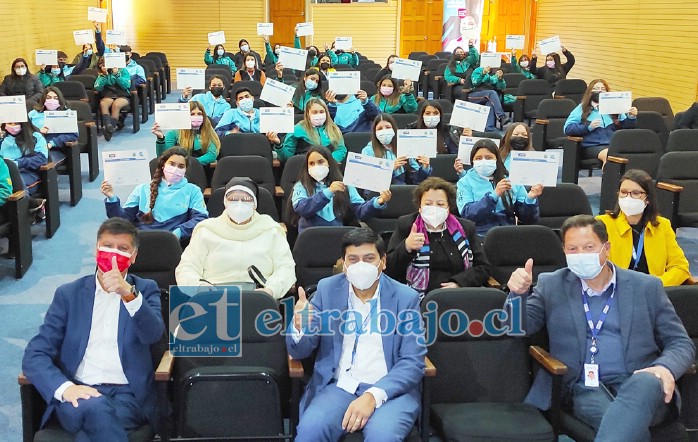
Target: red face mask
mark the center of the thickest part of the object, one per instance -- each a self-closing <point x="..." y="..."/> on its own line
<point x="105" y="255"/>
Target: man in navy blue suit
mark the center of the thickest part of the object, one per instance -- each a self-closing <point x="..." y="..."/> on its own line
<point x="367" y="371"/>
<point x="614" y="328"/>
<point x="91" y="360"/>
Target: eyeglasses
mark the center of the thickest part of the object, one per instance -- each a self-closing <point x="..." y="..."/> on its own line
<point x="636" y="194"/>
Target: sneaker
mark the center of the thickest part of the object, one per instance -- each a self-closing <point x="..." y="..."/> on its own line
<point x="504" y="120"/>
<point x="35" y="204"/>
<point x="40" y="215"/>
<point x="120" y="123"/>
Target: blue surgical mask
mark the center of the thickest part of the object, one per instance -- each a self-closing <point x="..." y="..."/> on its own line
<point x="89" y="52"/>
<point x="311" y="85"/>
<point x="584" y="265"/>
<point x="220" y="52"/>
<point x="485" y="168"/>
<point x="56" y="71"/>
<point x="246" y="104"/>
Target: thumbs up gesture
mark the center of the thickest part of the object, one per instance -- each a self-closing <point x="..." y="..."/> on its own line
<point x="114" y="282"/>
<point x="414" y="241"/>
<point x="522" y="278"/>
<point x="303" y="311"/>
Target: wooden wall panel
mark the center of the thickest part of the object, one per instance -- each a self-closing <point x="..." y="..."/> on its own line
<point x="640" y="45"/>
<point x="45" y="24"/>
<point x="373" y="26"/>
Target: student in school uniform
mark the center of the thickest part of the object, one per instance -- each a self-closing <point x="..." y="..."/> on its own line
<point x="460" y="67"/>
<point x="383" y="144"/>
<point x="251" y="71"/>
<point x="313" y="51"/>
<point x="554" y="69"/>
<point x="352" y="113"/>
<point x="244" y="118"/>
<point x="486" y="196"/>
<point x="240" y="58"/>
<point x="522" y="65"/>
<point x="21" y="81"/>
<point x="5" y="187"/>
<point x="200" y="142"/>
<point x="324" y="66"/>
<point x="217" y="56"/>
<point x="487" y="82"/>
<point x="169" y="202"/>
<point x="517" y="137"/>
<point x="135" y="70"/>
<point x="340" y="56"/>
<point x="88" y="50"/>
<point x="312" y="85"/>
<point x="24" y="144"/>
<point x="430" y="116"/>
<point x="316" y="128"/>
<point x="52" y="74"/>
<point x="272" y="56"/>
<point x="392" y="98"/>
<point x="114" y="86"/>
<point x="52" y="100"/>
<point x="387" y="69"/>
<point x="320" y="198"/>
<point x="213" y="100"/>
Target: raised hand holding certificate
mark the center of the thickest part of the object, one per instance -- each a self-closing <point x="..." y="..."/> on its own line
<point x="276" y="119"/>
<point x="343" y="43"/>
<point x="13" y="109"/>
<point x="550" y="45"/>
<point x="47" y="57"/>
<point x="97" y="14"/>
<point x="491" y="59"/>
<point x="114" y="60"/>
<point x="116" y="38"/>
<point x="61" y="122"/>
<point x="83" y="37"/>
<point x="126" y="169"/>
<point x="265" y="28"/>
<point x="528" y="168"/>
<point x="304" y="29"/>
<point x="470" y="115"/>
<point x="465" y="146"/>
<point x="515" y="41"/>
<point x="276" y="92"/>
<point x="293" y="58"/>
<point x="171" y="116"/>
<point x="191" y="77"/>
<point x="344" y="82"/>
<point x="367" y="172"/>
<point x="413" y="143"/>
<point x="615" y="102"/>
<point x="406" y="69"/>
<point x="216" y="38"/>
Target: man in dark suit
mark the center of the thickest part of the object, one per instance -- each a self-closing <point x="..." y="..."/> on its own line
<point x="91" y="360"/>
<point x="617" y="324"/>
<point x="368" y="368"/>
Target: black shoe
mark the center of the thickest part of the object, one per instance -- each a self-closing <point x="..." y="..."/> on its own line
<point x="120" y="123"/>
<point x="504" y="120"/>
<point x="36" y="204"/>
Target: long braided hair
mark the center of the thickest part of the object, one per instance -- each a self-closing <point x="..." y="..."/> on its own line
<point x="158" y="175"/>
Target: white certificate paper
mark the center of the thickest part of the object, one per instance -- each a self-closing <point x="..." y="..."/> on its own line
<point x="615" y="102"/>
<point x="191" y="77"/>
<point x="531" y="167"/>
<point x="367" y="172"/>
<point x="277" y="93"/>
<point x="491" y="59"/>
<point x="515" y="41"/>
<point x="344" y="82"/>
<point x="550" y="45"/>
<point x="173" y="116"/>
<point x="216" y="38"/>
<point x="293" y="58"/>
<point x="465" y="146"/>
<point x="13" y="109"/>
<point x="114" y="60"/>
<point x="97" y="14"/>
<point x="276" y="119"/>
<point x="126" y="167"/>
<point x="470" y="115"/>
<point x="412" y="143"/>
<point x="83" y="37"/>
<point x="406" y="69"/>
<point x="61" y="122"/>
<point x="343" y="43"/>
<point x="265" y="28"/>
<point x="116" y="38"/>
<point x="304" y="29"/>
<point x="47" y="57"/>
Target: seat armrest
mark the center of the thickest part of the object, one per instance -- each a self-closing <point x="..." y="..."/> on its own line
<point x="283" y="226"/>
<point x="617" y="160"/>
<point x="207" y="192"/>
<point x="90" y="124"/>
<point x="16" y="196"/>
<point x="22" y="380"/>
<point x="670" y="187"/>
<point x="213" y="164"/>
<point x="559" y="97"/>
<point x="48" y="166"/>
<point x="279" y="191"/>
<point x="575" y="139"/>
<point x="542" y="121"/>
<point x="429" y="368"/>
<point x="520" y="97"/>
<point x="164" y="370"/>
<point x="275" y="163"/>
<point x="491" y="282"/>
<point x="549" y="363"/>
<point x="295" y="368"/>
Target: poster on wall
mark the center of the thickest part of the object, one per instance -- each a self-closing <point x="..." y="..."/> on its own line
<point x="462" y="22"/>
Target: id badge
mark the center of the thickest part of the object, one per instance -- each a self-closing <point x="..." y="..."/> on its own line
<point x="591" y="375"/>
<point x="347" y="383"/>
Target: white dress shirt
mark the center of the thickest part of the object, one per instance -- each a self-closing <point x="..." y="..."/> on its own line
<point x="591" y="292"/>
<point x="101" y="363"/>
<point x="369" y="362"/>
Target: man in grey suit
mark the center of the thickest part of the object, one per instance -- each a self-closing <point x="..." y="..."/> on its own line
<point x="614" y="323"/>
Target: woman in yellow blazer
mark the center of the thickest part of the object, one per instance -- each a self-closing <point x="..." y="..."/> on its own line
<point x="641" y="239"/>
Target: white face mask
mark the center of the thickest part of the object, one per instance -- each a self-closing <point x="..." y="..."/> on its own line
<point x="631" y="206"/>
<point x="434" y="216"/>
<point x="318" y="120"/>
<point x="220" y="52"/>
<point x="431" y="121"/>
<point x="250" y="64"/>
<point x="362" y="275"/>
<point x="523" y="64"/>
<point x="584" y="265"/>
<point x="385" y="136"/>
<point x="485" y="168"/>
<point x="21" y="71"/>
<point x="239" y="211"/>
<point x="318" y="173"/>
<point x="245" y="48"/>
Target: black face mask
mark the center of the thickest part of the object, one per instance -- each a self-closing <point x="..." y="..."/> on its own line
<point x="519" y="143"/>
<point x="324" y="66"/>
<point x="595" y="97"/>
<point x="128" y="59"/>
<point x="341" y="97"/>
<point x="312" y="53"/>
<point x="217" y="91"/>
<point x="460" y="57"/>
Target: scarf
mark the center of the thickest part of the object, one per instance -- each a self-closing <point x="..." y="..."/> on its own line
<point x="418" y="270"/>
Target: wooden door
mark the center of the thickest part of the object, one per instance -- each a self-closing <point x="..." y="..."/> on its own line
<point x="515" y="17"/>
<point x="285" y="14"/>
<point x="421" y="22"/>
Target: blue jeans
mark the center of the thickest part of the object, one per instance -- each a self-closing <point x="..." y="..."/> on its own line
<point x="322" y="420"/>
<point x="622" y="408"/>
